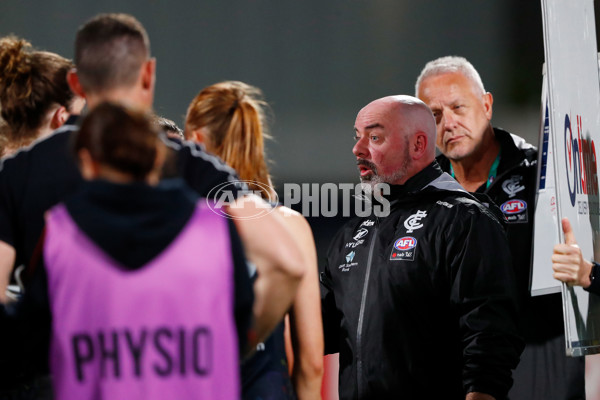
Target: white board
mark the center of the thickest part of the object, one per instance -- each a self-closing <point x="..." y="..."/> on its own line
<point x="546" y="227"/>
<point x="574" y="118"/>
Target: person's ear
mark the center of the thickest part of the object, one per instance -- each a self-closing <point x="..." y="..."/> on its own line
<point x="419" y="145"/>
<point x="74" y="84"/>
<point x="88" y="167"/>
<point x="488" y="101"/>
<point x="59" y="117"/>
<point x="196" y="136"/>
<point x="149" y="74"/>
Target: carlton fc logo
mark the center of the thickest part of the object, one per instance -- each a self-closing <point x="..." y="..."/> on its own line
<point x="513" y="185"/>
<point x="413" y="222"/>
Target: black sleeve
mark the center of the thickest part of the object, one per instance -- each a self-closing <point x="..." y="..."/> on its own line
<point x="329" y="312"/>
<point x="205" y="172"/>
<point x="26" y="324"/>
<point x="483" y="293"/>
<point x="7" y="203"/>
<point x="595" y="277"/>
<point x="243" y="293"/>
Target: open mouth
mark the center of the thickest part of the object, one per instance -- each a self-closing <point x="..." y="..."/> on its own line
<point x="366" y="168"/>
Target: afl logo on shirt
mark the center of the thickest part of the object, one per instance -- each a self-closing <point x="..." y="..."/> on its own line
<point x="513" y="207"/>
<point x="403" y="249"/>
<point x="515" y="211"/>
<point x="405" y="243"/>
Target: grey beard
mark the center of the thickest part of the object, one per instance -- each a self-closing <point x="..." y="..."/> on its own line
<point x="368" y="185"/>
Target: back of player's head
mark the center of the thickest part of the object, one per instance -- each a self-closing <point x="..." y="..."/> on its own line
<point x="110" y="50"/>
<point x="31" y="82"/>
<point x="121" y="138"/>
<point x="232" y="116"/>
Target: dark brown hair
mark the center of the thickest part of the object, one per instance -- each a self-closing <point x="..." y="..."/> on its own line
<point x="121" y="138"/>
<point x="30" y="83"/>
<point x="109" y="52"/>
<point x="4" y="134"/>
<point x="233" y="113"/>
<point x="168" y="126"/>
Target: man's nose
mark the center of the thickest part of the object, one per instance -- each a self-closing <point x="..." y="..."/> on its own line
<point x="360" y="149"/>
<point x="448" y="120"/>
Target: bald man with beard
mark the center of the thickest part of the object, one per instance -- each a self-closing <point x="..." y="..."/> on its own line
<point x="411" y="300"/>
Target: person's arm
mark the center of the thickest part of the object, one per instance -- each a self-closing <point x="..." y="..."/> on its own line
<point x="26" y="323"/>
<point x="204" y="172"/>
<point x="243" y="293"/>
<point x="331" y="318"/>
<point x="483" y="294"/>
<point x="329" y="312"/>
<point x="7" y="261"/>
<point x="271" y="247"/>
<point x="306" y="327"/>
<point x="567" y="260"/>
<point x="8" y="224"/>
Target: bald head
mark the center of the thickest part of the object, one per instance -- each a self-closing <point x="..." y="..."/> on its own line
<point x="395" y="139"/>
<point x="412" y="116"/>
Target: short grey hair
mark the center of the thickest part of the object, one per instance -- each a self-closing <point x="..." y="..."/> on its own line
<point x="450" y="64"/>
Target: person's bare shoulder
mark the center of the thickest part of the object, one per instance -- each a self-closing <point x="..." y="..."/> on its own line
<point x="294" y="220"/>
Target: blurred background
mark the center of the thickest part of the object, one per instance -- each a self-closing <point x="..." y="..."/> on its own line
<point x="317" y="62"/>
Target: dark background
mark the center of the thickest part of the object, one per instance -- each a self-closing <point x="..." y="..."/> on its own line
<point x="318" y="62"/>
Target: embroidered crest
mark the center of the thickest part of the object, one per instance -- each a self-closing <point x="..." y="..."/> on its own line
<point x="513" y="185"/>
<point x="413" y="222"/>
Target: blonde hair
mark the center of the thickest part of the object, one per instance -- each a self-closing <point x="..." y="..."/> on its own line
<point x="233" y="115"/>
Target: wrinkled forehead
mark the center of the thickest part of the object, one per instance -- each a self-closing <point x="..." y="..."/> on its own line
<point x="449" y="84"/>
<point x="381" y="112"/>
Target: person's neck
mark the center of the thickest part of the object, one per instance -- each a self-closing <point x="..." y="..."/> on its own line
<point x="126" y="97"/>
<point x="115" y="176"/>
<point x="11" y="147"/>
<point x="473" y="171"/>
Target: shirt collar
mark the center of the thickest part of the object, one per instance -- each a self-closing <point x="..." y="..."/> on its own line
<point x="416" y="182"/>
